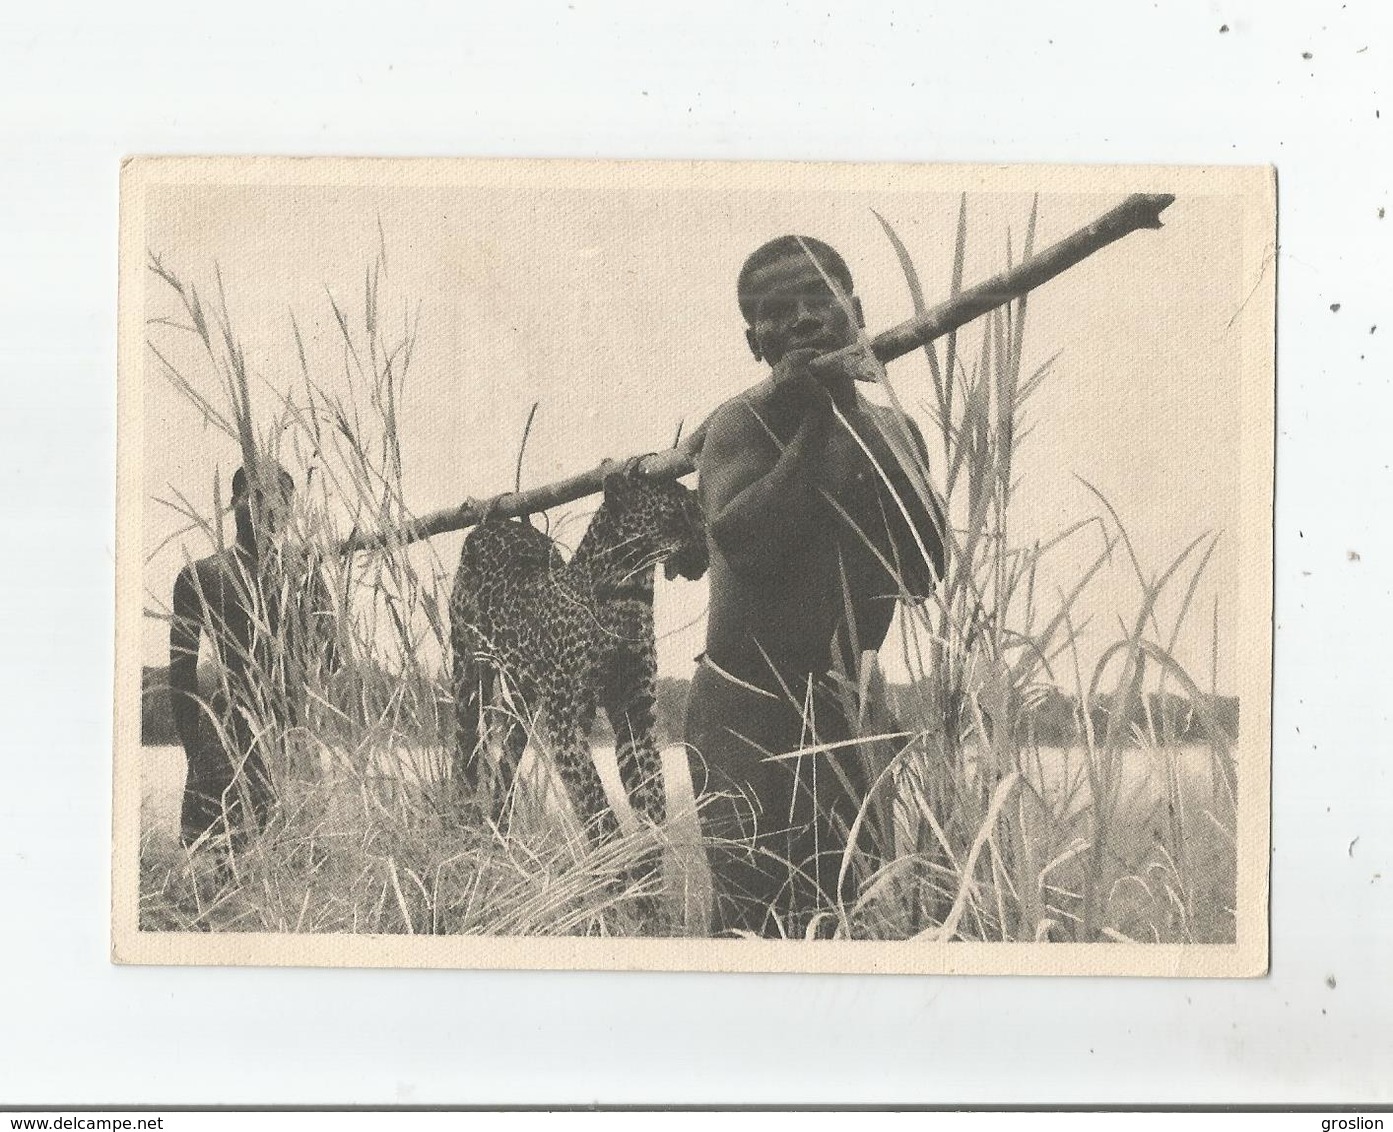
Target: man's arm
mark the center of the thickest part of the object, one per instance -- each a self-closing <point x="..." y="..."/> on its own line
<point x="185" y="629"/>
<point x="931" y="517"/>
<point x="919" y="542"/>
<point x="759" y="502"/>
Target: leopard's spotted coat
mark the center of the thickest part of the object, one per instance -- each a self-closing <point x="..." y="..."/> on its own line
<point x="570" y="637"/>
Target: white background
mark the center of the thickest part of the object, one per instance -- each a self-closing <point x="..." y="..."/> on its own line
<point x="1113" y="82"/>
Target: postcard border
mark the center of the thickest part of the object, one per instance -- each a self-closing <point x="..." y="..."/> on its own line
<point x="1248" y="956"/>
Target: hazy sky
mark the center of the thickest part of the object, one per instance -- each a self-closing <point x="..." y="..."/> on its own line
<point x="610" y="300"/>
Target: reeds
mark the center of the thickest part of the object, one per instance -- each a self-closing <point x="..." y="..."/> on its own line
<point x="973" y="828"/>
<point x="996" y="838"/>
<point x="363" y="836"/>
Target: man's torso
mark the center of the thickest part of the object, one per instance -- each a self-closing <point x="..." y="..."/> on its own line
<point x="838" y="576"/>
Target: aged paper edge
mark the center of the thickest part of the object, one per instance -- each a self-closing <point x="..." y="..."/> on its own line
<point x="1247" y="957"/>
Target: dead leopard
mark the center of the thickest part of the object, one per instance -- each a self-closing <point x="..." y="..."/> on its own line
<point x="570" y="637"/>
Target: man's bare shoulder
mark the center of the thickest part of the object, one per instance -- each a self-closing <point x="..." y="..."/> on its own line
<point x="740" y="413"/>
<point x="882" y="414"/>
<point x="210" y="570"/>
<point x="890" y="421"/>
<point x="755" y="397"/>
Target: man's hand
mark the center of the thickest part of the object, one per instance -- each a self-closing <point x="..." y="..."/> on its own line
<point x="796" y="385"/>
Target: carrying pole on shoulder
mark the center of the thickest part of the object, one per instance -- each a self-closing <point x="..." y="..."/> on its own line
<point x="1140" y="210"/>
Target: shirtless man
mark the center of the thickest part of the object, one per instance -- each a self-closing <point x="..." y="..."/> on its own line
<point x="260" y="653"/>
<point x="803" y="534"/>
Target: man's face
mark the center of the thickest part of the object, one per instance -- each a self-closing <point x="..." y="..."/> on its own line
<point x="266" y="508"/>
<point x="794" y="308"/>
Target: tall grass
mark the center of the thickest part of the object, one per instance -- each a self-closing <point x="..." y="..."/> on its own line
<point x="994" y="837"/>
<point x="973" y="829"/>
<point x="363" y="837"/>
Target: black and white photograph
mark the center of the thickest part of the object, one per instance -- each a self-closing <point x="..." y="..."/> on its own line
<point x="694" y="566"/>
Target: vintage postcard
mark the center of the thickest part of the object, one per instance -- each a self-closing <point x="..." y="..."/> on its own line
<point x="694" y="566"/>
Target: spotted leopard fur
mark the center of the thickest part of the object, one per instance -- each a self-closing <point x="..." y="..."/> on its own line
<point x="570" y="637"/>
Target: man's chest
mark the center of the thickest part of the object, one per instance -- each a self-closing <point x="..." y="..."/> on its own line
<point x="853" y="464"/>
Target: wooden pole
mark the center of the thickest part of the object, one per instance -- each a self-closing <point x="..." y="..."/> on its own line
<point x="1140" y="210"/>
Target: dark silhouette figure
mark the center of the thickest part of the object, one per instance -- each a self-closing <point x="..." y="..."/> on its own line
<point x="267" y="617"/>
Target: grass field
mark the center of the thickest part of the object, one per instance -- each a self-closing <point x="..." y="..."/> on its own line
<point x="337" y="853"/>
<point x="974" y="830"/>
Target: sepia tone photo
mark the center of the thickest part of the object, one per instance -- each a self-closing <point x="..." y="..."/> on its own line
<point x="694" y="566"/>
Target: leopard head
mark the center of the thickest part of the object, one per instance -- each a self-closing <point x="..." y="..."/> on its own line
<point x="656" y="520"/>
